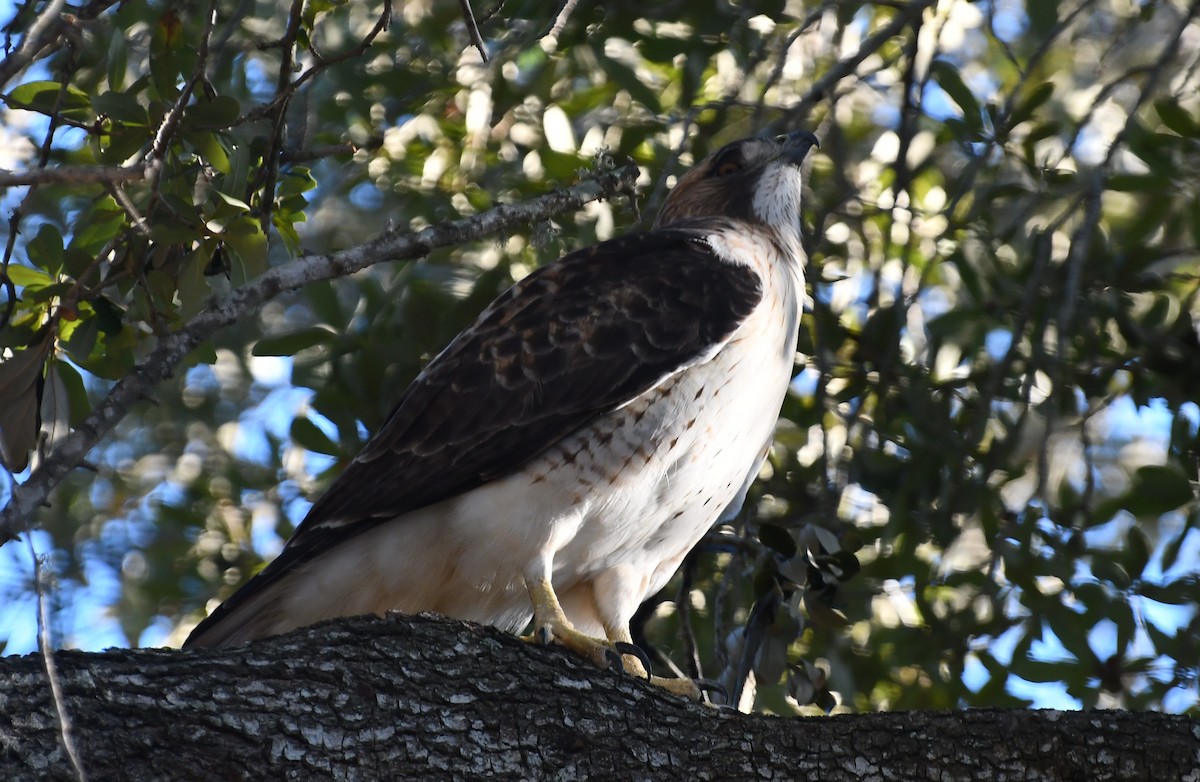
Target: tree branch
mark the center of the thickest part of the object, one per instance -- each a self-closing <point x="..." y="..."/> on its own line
<point x="71" y="175"/>
<point x="846" y="66"/>
<point x="389" y="246"/>
<point x="473" y="28"/>
<point x="40" y="33"/>
<point x="428" y="698"/>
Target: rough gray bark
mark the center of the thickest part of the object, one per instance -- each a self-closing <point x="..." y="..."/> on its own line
<point x="426" y="698"/>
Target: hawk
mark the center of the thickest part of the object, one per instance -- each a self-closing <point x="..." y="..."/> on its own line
<point x="561" y="456"/>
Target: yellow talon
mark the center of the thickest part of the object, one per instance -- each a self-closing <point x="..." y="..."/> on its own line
<point x="550" y="625"/>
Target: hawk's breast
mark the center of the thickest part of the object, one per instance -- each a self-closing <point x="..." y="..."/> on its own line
<point x="652" y="476"/>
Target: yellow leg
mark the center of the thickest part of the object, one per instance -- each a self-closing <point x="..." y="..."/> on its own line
<point x="551" y="624"/>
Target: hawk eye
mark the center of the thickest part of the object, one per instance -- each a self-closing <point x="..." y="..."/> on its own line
<point x="728" y="168"/>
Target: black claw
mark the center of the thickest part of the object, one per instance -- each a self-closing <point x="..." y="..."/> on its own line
<point x="614" y="659"/>
<point x="544" y="636"/>
<point x="633" y="650"/>
<point x="709" y="685"/>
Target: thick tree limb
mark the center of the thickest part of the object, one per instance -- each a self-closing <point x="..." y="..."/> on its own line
<point x="427" y="698"/>
<point x="390" y="246"/>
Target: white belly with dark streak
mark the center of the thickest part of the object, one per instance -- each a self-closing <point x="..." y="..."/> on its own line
<point x="612" y="509"/>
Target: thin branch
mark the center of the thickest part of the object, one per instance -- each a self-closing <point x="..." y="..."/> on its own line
<point x="284" y="91"/>
<point x="47" y="649"/>
<point x="172" y="349"/>
<point x="322" y="63"/>
<point x="35" y="40"/>
<point x="560" y="20"/>
<point x="473" y="28"/>
<point x="776" y="74"/>
<point x="166" y="130"/>
<point x="72" y="175"/>
<point x="846" y="66"/>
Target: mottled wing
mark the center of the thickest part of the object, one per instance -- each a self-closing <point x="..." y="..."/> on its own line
<point x="568" y="343"/>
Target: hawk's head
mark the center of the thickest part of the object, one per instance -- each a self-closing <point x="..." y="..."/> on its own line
<point x="755" y="179"/>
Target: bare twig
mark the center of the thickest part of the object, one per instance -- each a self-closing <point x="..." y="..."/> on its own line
<point x="286" y="88"/>
<point x="321" y="64"/>
<point x="776" y="74"/>
<point x="473" y="28"/>
<point x="56" y="690"/>
<point x="846" y="66"/>
<point x="560" y="20"/>
<point x="72" y="175"/>
<point x="135" y="217"/>
<point x="283" y="93"/>
<point x="390" y="246"/>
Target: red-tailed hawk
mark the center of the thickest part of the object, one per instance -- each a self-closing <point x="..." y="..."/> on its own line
<point x="562" y="455"/>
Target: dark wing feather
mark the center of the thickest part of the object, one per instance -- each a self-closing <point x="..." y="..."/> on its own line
<point x="571" y="341"/>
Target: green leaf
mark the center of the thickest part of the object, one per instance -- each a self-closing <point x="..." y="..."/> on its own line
<point x="46" y="249"/>
<point x="44" y="293"/>
<point x="82" y="340"/>
<point x="776" y="537"/>
<point x="122" y="143"/>
<point x="948" y="78"/>
<point x="121" y="107"/>
<point x="1135" y="183"/>
<point x="161" y="287"/>
<point x="236" y="203"/>
<point x="1175" y="593"/>
<point x="310" y="437"/>
<point x="823" y="614"/>
<point x="212" y="151"/>
<point x="293" y="342"/>
<point x="24" y="277"/>
<point x="118" y="61"/>
<point x="248" y="250"/>
<point x="168" y="54"/>
<point x="72" y="381"/>
<point x="218" y="113"/>
<point x="296" y="181"/>
<point x="1137" y="551"/>
<point x="20" y="377"/>
<point x="1030" y="103"/>
<point x="193" y="288"/>
<point x="1177" y="118"/>
<point x="1158" y="489"/>
<point x="43" y="97"/>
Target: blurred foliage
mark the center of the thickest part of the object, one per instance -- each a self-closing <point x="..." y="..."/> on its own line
<point x="983" y="490"/>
